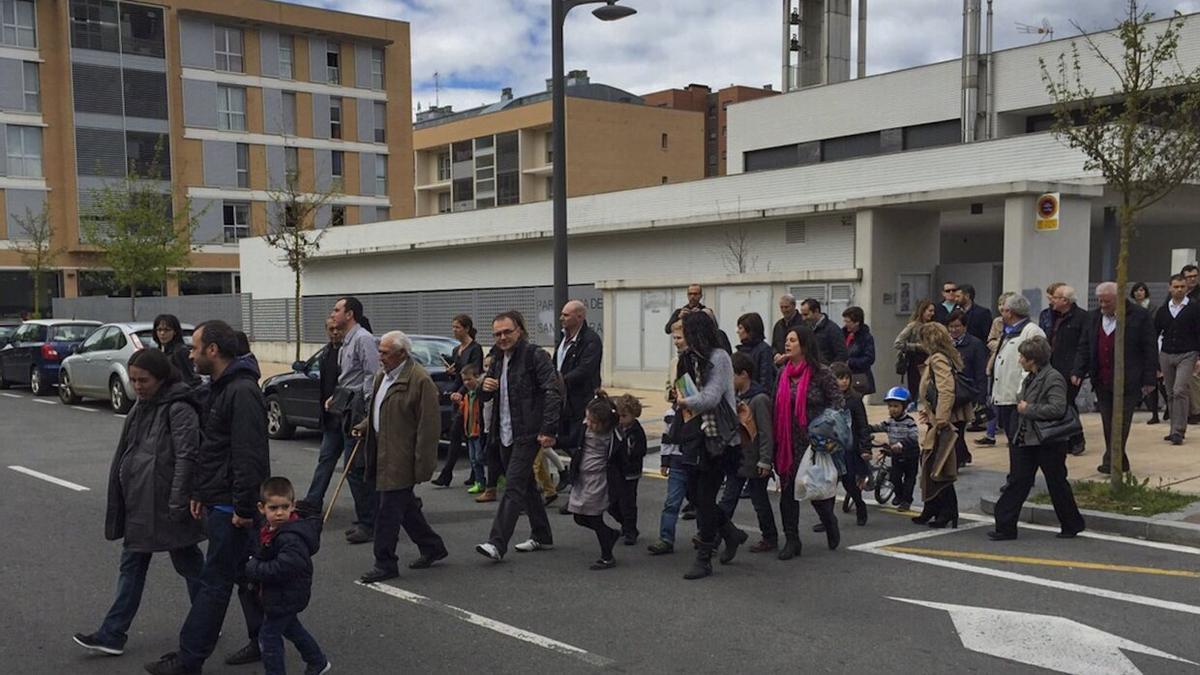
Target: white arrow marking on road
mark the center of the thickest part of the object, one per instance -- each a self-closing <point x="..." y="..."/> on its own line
<point x="50" y="479"/>
<point x="1051" y="642"/>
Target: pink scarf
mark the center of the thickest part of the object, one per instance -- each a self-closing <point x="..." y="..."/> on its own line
<point x="784" y="411"/>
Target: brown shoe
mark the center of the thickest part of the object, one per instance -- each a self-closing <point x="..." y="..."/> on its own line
<point x="763" y="546"/>
<point x="488" y="495"/>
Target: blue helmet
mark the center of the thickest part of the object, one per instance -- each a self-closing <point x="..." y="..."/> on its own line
<point x="897" y="394"/>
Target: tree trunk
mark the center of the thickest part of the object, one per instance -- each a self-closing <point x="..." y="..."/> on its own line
<point x="297" y="314"/>
<point x="1116" y="460"/>
<point x="37" y="292"/>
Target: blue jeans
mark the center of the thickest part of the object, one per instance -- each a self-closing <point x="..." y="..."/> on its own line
<point x="333" y="444"/>
<point x="478" y="458"/>
<point x="228" y="547"/>
<point x="676" y="490"/>
<point x="270" y="641"/>
<point x="188" y="562"/>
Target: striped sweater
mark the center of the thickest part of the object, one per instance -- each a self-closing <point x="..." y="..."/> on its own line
<point x="903" y="431"/>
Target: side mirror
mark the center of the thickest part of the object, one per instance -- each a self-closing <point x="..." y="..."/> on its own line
<point x="298" y="366"/>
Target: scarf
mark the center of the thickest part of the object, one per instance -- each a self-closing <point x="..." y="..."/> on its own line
<point x="784" y="411"/>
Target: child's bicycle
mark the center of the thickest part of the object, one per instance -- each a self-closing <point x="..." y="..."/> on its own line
<point x="880" y="478"/>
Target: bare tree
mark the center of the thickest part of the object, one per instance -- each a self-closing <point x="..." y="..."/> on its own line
<point x="1142" y="135"/>
<point x="37" y="249"/>
<point x="737" y="251"/>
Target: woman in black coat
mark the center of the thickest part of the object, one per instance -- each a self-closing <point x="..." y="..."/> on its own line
<point x="149" y="490"/>
<point x="466" y="353"/>
<point x="168" y="336"/>
<point x="860" y="350"/>
<point x="752" y="343"/>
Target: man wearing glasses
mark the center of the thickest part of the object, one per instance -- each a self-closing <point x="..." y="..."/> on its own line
<point x="941" y="310"/>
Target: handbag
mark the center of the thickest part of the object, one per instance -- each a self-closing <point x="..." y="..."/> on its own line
<point x="1058" y="431"/>
<point x="902" y="363"/>
<point x="861" y="382"/>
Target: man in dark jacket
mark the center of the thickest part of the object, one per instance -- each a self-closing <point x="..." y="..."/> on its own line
<point x="1177" y="322"/>
<point x="333" y="439"/>
<point x="577" y="359"/>
<point x="830" y="341"/>
<point x="977" y="318"/>
<point x="232" y="463"/>
<point x="789" y="318"/>
<point x="1095" y="359"/>
<point x="974" y="354"/>
<point x="949" y="303"/>
<point x="527" y="404"/>
<point x="1067" y="321"/>
<point x="694" y="294"/>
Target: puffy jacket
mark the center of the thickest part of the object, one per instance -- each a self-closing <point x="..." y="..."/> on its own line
<point x="764" y="361"/>
<point x="1007" y="373"/>
<point x="860" y="355"/>
<point x="284" y="568"/>
<point x="534" y="393"/>
<point x="149" y="482"/>
<point x="234" y="457"/>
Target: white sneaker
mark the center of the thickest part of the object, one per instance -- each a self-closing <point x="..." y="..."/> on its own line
<point x="489" y="551"/>
<point x="532" y="545"/>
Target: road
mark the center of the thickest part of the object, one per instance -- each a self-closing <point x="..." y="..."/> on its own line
<point x="895" y="598"/>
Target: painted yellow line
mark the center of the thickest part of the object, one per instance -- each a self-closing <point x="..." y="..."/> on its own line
<point x="1045" y="562"/>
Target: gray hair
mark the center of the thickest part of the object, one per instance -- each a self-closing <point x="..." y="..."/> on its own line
<point x="399" y="341"/>
<point x="1036" y="349"/>
<point x="1106" y="288"/>
<point x="1067" y="292"/>
<point x="788" y="298"/>
<point x="576" y="305"/>
<point x="1017" y="304"/>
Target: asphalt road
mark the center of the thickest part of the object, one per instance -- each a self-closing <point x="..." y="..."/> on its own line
<point x="895" y="598"/>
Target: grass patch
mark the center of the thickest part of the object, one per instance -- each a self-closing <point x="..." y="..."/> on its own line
<point x="1131" y="498"/>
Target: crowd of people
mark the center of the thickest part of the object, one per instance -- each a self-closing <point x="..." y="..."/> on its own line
<point x="193" y="462"/>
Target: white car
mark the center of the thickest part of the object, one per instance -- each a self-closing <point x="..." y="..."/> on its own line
<point x="97" y="368"/>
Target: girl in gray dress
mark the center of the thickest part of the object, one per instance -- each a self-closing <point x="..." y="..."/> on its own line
<point x="589" y="493"/>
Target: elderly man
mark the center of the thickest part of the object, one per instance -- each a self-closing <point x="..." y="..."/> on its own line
<point x="789" y="318"/>
<point x="577" y="360"/>
<point x="358" y="360"/>
<point x="1007" y="373"/>
<point x="1177" y="322"/>
<point x="401" y="429"/>
<point x="694" y="294"/>
<point x="1096" y="359"/>
<point x="1067" y="322"/>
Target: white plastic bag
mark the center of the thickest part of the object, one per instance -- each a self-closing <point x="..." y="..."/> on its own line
<point x="816" y="478"/>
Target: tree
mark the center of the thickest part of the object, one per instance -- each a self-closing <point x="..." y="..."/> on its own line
<point x="290" y="230"/>
<point x="1142" y="136"/>
<point x="736" y="251"/>
<point x="133" y="225"/>
<point x="37" y="249"/>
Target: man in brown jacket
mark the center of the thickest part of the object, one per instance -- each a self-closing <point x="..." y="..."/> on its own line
<point x="401" y="429"/>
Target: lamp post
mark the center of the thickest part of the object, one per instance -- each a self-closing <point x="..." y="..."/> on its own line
<point x="611" y="11"/>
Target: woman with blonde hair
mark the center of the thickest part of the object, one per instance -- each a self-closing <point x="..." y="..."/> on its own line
<point x="909" y="346"/>
<point x="939" y="414"/>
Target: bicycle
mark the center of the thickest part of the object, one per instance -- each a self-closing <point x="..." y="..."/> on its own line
<point x="880" y="478"/>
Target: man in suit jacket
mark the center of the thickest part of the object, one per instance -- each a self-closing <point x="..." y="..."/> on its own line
<point x="830" y="341"/>
<point x="1095" y="359"/>
<point x="1066" y="323"/>
<point x="577" y="360"/>
<point x="978" y="318"/>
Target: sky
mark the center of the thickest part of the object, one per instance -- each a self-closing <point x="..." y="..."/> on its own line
<point x="478" y="47"/>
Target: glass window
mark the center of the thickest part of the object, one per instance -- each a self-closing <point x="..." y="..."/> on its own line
<point x="17" y="25"/>
<point x="286" y="57"/>
<point x="443" y="202"/>
<point x="33" y="87"/>
<point x="488" y="185"/>
<point x="291" y="163"/>
<point x="508" y="189"/>
<point x="377" y="81"/>
<point x="337" y="215"/>
<point x="464" y="190"/>
<point x="381" y="174"/>
<point x="289" y="112"/>
<point x="481" y="174"/>
<point x="380" y="122"/>
<point x="24" y="151"/>
<point x="237" y="221"/>
<point x="550" y="148"/>
<point x="462" y="151"/>
<point x="337" y="162"/>
<point x="227" y="43"/>
<point x="443" y="167"/>
<point x="94" y="25"/>
<point x="148" y="154"/>
<point x="333" y="63"/>
<point x="335" y="116"/>
<point x="485" y="161"/>
<point x="484" y="142"/>
<point x="231" y="108"/>
<point x="664" y="140"/>
<point x="142" y="30"/>
<point x="243" y="165"/>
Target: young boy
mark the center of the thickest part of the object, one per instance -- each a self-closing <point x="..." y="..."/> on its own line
<point x="282" y="567"/>
<point x="625" y="466"/>
<point x="473" y="427"/>
<point x="858" y="458"/>
<point x="904" y="445"/>
<point x="758" y="453"/>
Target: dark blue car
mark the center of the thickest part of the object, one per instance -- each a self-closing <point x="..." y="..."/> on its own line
<point x="36" y="350"/>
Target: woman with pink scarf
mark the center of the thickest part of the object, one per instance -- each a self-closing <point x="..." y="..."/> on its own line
<point x="805" y="388"/>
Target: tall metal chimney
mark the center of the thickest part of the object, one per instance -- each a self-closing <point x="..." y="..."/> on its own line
<point x="970" y="69"/>
<point x="862" y="38"/>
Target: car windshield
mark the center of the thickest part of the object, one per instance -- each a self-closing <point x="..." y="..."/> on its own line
<point x="429" y="351"/>
<point x="7" y="331"/>
<point x="71" y="332"/>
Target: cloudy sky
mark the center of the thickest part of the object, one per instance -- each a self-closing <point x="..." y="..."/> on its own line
<point x="480" y="46"/>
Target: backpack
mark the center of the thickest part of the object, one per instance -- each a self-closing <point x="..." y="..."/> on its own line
<point x="831" y="431"/>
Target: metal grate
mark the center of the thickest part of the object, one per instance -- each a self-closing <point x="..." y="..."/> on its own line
<point x="795" y="232"/>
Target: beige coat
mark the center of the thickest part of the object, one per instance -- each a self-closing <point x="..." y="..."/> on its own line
<point x="404" y="452"/>
<point x="939" y="466"/>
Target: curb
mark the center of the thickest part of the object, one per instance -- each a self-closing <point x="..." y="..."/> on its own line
<point x="1150" y="529"/>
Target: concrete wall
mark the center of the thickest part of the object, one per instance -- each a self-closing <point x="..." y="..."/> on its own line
<point x="1034" y="259"/>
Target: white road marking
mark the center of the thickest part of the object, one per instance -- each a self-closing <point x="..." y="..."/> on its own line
<point x="493" y="625"/>
<point x="49" y="479"/>
<point x="79" y="407"/>
<point x="1051" y="642"/>
<point x="870" y="546"/>
<point x="46" y="401"/>
<point x="1162" y="546"/>
<point x="12" y="395"/>
<point x="119" y="415"/>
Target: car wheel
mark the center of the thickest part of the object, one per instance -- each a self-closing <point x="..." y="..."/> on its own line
<point x="278" y="426"/>
<point x="64" y="389"/>
<point x="116" y="396"/>
<point x="36" y="385"/>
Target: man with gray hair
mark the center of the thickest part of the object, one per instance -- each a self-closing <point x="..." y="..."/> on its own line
<point x="1066" y="325"/>
<point x="789" y="318"/>
<point x="401" y="432"/>
<point x="1007" y="373"/>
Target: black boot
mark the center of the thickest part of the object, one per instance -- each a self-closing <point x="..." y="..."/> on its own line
<point x="860" y="508"/>
<point x="791" y="547"/>
<point x="825" y="511"/>
<point x="948" y="509"/>
<point x="702" y="564"/>
<point x="846" y="503"/>
<point x="733" y="539"/>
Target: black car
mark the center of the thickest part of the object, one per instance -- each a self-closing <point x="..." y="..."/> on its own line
<point x="293" y="399"/>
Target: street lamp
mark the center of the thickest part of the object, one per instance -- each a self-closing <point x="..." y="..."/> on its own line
<point x="611" y="11"/>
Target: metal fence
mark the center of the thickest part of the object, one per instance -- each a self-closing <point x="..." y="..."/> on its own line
<point x="189" y="308"/>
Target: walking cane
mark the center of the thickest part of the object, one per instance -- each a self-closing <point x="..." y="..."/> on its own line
<point x="341" y="482"/>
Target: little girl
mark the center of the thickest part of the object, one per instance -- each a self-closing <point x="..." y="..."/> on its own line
<point x="589" y="492"/>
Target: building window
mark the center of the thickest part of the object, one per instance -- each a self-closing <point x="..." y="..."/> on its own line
<point x="237" y="221"/>
<point x="231" y="108"/>
<point x="32" y="87"/>
<point x="549" y="188"/>
<point x="148" y="154"/>
<point x="243" y="165"/>
<point x="24" y="151"/>
<point x="377" y="80"/>
<point x="508" y="189"/>
<point x="712" y="111"/>
<point x="93" y="25"/>
<point x="712" y="136"/>
<point x="337" y="163"/>
<point x="464" y="190"/>
<point x="142" y="30"/>
<point x="462" y="151"/>
<point x="227" y="42"/>
<point x="335" y="116"/>
<point x="443" y="167"/>
<point x="289" y="113"/>
<point x="664" y="141"/>
<point x="722" y="129"/>
<point x="286" y="57"/>
<point x="380" y="122"/>
<point x="17" y="22"/>
<point x="333" y="63"/>
<point x="664" y="180"/>
<point x="337" y="215"/>
<point x="381" y="174"/>
<point x="291" y="164"/>
<point x="550" y="148"/>
<point x="712" y="160"/>
<point x="443" y="202"/>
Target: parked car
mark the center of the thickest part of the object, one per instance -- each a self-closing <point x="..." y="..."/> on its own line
<point x="293" y="399"/>
<point x="97" y="368"/>
<point x="36" y="350"/>
<point x="7" y="328"/>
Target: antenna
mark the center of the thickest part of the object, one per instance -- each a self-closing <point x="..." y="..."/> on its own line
<point x="1045" y="30"/>
<point x="437" y="88"/>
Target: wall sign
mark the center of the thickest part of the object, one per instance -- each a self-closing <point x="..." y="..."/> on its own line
<point x="1047" y="212"/>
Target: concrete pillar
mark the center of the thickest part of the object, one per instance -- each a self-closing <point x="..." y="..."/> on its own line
<point x="1033" y="259"/>
<point x="70" y="288"/>
<point x="172" y="285"/>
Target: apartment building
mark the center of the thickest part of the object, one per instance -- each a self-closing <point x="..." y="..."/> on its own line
<point x="230" y="98"/>
<point x="715" y="106"/>
<point x="500" y="154"/>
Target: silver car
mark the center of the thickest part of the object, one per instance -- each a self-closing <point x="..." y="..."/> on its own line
<point x="97" y="368"/>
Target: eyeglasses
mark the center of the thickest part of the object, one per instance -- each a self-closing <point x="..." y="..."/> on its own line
<point x="949" y="290"/>
<point x="504" y="333"/>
